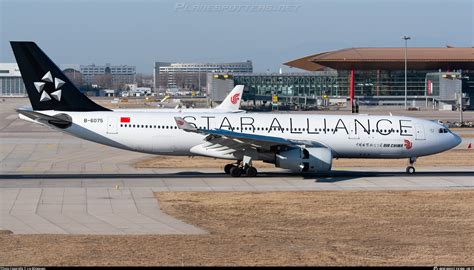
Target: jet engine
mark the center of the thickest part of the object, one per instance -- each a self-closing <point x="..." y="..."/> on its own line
<point x="315" y="159"/>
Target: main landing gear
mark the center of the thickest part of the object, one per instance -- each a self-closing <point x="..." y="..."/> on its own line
<point x="410" y="168"/>
<point x="239" y="168"/>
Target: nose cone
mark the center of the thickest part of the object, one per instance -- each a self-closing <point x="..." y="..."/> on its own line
<point x="456" y="140"/>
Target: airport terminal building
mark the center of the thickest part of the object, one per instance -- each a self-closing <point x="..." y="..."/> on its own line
<point x="11" y="83"/>
<point x="168" y="76"/>
<point x="435" y="76"/>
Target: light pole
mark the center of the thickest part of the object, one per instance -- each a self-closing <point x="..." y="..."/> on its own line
<point x="406" y="38"/>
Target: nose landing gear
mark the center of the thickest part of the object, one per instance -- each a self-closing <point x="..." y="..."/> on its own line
<point x="410" y="168"/>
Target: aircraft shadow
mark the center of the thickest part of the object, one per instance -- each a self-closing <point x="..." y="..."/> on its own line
<point x="334" y="176"/>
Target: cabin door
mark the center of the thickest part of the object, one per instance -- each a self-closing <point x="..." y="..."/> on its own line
<point x="352" y="132"/>
<point x="420" y="132"/>
<point x="112" y="125"/>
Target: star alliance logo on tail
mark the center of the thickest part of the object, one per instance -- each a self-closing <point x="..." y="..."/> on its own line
<point x="48" y="78"/>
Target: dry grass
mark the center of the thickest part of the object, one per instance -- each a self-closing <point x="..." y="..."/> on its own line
<point x="280" y="228"/>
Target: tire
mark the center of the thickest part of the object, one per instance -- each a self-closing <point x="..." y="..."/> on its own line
<point x="410" y="170"/>
<point x="251" y="172"/>
<point x="228" y="167"/>
<point x="235" y="171"/>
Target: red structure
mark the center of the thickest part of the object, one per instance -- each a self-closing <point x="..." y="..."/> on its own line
<point x="351" y="87"/>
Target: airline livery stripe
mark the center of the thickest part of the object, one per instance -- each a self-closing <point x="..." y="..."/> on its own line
<point x="124" y="119"/>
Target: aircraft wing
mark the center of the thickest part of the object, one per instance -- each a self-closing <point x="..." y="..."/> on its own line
<point x="239" y="141"/>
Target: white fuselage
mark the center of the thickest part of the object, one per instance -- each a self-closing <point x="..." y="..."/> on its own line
<point x="348" y="136"/>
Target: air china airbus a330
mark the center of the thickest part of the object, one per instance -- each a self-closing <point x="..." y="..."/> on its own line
<point x="299" y="142"/>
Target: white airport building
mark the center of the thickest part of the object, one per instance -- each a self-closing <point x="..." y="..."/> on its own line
<point x="11" y="83"/>
<point x="192" y="76"/>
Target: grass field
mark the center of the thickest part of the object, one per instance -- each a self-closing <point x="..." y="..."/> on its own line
<point x="279" y="228"/>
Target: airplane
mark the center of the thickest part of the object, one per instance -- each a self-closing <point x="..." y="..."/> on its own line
<point x="230" y="104"/>
<point x="302" y="143"/>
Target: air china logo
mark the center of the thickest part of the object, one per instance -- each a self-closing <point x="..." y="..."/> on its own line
<point x="48" y="78"/>
<point x="235" y="98"/>
<point x="180" y="122"/>
<point x="408" y="145"/>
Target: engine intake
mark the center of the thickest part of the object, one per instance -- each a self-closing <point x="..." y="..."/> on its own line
<point x="316" y="159"/>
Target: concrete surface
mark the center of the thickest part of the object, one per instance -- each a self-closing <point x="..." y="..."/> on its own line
<point x="91" y="210"/>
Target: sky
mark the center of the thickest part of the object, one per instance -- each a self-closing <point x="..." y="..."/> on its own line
<point x="268" y="32"/>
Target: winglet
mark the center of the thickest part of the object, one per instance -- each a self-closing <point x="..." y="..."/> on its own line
<point x="182" y="124"/>
<point x="232" y="100"/>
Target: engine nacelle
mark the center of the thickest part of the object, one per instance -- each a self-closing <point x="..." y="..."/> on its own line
<point x="316" y="159"/>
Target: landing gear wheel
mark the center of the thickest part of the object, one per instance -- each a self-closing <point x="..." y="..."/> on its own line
<point x="228" y="167"/>
<point x="411" y="163"/>
<point x="410" y="170"/>
<point x="251" y="172"/>
<point x="235" y="171"/>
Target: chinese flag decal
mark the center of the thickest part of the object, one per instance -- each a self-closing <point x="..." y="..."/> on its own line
<point x="124" y="119"/>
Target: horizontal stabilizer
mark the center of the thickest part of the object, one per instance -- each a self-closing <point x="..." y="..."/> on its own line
<point x="61" y="120"/>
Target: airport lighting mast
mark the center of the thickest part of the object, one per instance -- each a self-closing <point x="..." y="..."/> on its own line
<point x="406" y="38"/>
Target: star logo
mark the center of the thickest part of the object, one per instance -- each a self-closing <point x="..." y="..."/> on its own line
<point x="48" y="78"/>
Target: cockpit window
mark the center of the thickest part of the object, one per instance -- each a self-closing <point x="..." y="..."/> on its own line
<point x="443" y="130"/>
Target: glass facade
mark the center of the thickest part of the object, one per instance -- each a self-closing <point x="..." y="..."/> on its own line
<point x="12" y="86"/>
<point x="368" y="83"/>
<point x="261" y="86"/>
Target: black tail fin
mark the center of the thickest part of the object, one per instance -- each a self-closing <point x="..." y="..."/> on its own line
<point x="48" y="88"/>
